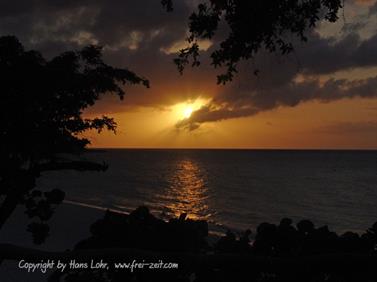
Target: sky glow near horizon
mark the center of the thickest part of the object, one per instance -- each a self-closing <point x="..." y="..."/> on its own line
<point x="284" y="107"/>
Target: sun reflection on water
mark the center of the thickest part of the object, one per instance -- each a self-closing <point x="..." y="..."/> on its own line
<point x="187" y="192"/>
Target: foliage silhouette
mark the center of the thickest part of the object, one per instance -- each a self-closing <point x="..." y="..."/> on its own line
<point x="251" y="26"/>
<point x="42" y="102"/>
<point x="290" y="246"/>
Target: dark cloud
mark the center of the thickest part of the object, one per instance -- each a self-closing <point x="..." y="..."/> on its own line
<point x="292" y="94"/>
<point x="364" y="127"/>
<point x="135" y="33"/>
<point x="327" y="55"/>
<point x="116" y="24"/>
<point x="373" y="9"/>
<point x="278" y="83"/>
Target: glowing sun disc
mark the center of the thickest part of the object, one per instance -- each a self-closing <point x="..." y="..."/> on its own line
<point x="187" y="112"/>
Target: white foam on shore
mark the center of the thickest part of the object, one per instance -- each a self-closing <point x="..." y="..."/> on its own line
<point x="216" y="230"/>
<point x="101" y="208"/>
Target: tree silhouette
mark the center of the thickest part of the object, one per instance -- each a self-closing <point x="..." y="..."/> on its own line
<point x="250" y="27"/>
<point x="42" y="102"/>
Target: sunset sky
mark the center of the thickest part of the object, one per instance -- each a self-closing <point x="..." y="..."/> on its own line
<point x="324" y="95"/>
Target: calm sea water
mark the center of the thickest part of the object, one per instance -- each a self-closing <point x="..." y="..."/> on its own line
<point x="235" y="189"/>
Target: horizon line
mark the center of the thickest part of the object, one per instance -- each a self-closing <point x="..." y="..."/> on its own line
<point x="230" y="148"/>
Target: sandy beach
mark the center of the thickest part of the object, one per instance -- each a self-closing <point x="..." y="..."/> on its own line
<point x="69" y="225"/>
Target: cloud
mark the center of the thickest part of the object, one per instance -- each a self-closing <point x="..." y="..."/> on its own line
<point x="290" y="95"/>
<point x="365" y="2"/>
<point x="306" y="75"/>
<point x="110" y="23"/>
<point x="141" y="35"/>
<point x="373" y="9"/>
<point x="327" y="55"/>
<point x="346" y="128"/>
<point x="135" y="34"/>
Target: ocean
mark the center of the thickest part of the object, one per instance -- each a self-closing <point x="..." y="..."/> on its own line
<point x="231" y="189"/>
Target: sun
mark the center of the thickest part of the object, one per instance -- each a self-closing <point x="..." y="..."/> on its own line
<point x="187" y="111"/>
